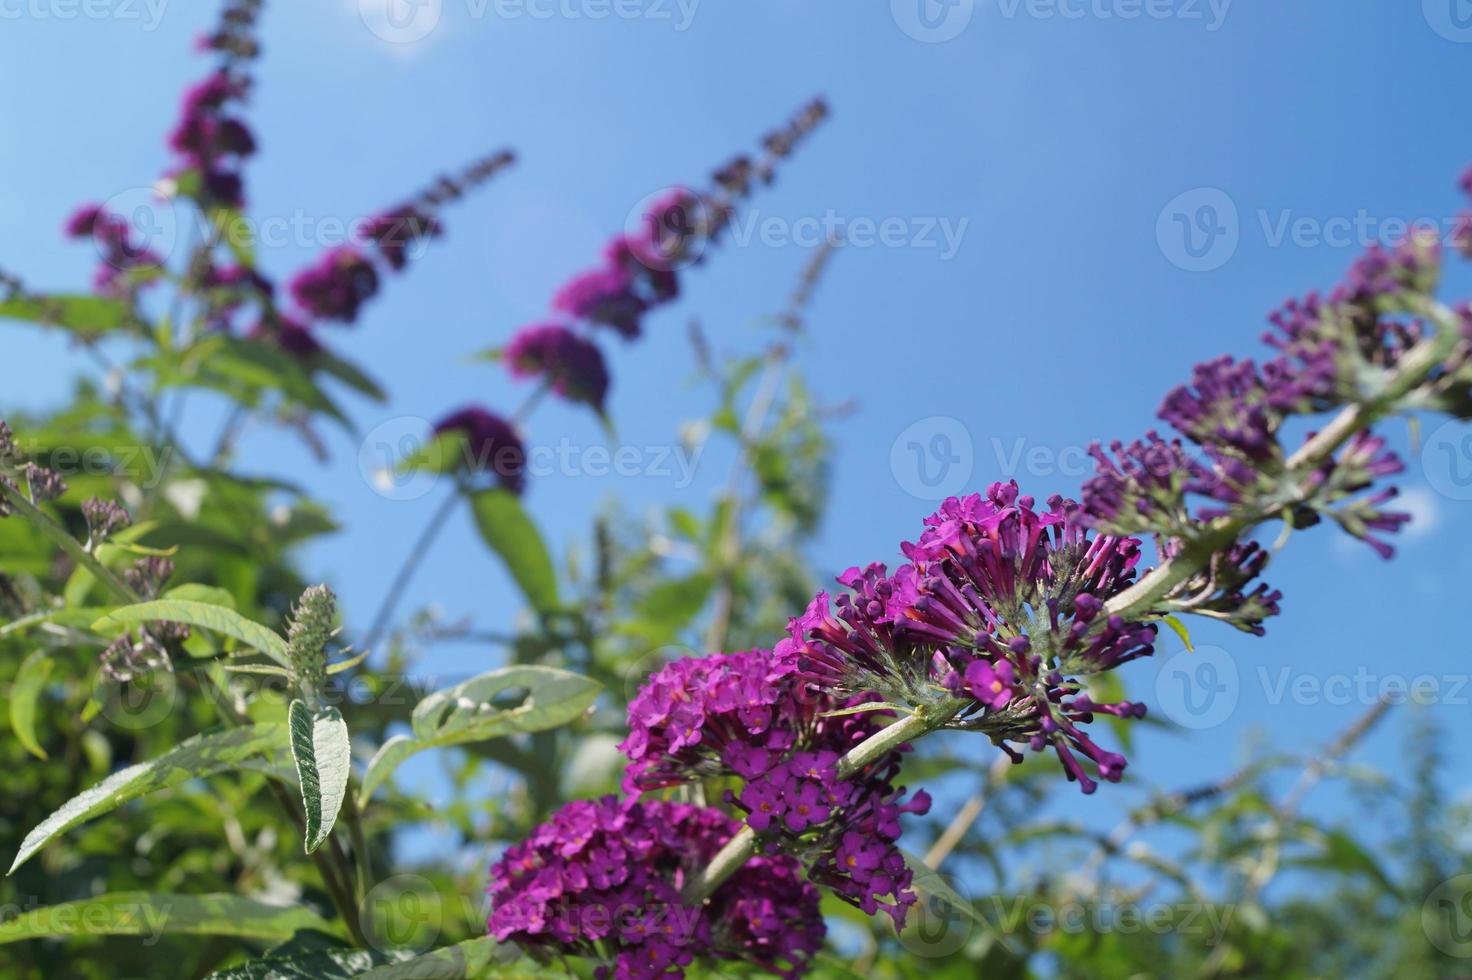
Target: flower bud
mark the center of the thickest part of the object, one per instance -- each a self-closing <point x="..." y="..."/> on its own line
<point x="307" y="636"/>
<point x="104" y="518"/>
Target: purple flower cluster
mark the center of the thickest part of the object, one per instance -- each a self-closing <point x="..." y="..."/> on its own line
<point x="210" y="139"/>
<point x="639" y="272"/>
<point x="104" y="519"/>
<point x="1358" y="465"/>
<point x="754" y="716"/>
<point x="999" y="604"/>
<point x="1142" y="486"/>
<point x="289" y="334"/>
<point x="235" y="36"/>
<point x="212" y="143"/>
<point x="126" y="262"/>
<point x="1221" y="590"/>
<point x="131" y="656"/>
<point x="491" y="445"/>
<point x="337" y="285"/>
<point x="36" y="483"/>
<point x="396" y="231"/>
<point x="572" y="366"/>
<point x="604" y="878"/>
<point x="1234" y="411"/>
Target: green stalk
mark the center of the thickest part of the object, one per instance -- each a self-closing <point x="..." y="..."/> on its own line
<point x="67" y="543"/>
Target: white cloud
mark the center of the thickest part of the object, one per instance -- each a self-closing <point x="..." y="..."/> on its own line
<point x="1424" y="508"/>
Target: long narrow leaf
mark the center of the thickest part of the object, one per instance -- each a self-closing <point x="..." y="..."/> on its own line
<point x="202" y="755"/>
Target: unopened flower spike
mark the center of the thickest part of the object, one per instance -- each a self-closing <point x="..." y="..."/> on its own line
<point x="8" y="452"/>
<point x="44" y="484"/>
<point x="104" y="519"/>
<point x="307" y="637"/>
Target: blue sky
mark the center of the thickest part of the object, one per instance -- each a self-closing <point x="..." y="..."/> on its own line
<point x="1062" y="144"/>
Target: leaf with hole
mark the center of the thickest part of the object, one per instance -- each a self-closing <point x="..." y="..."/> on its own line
<point x="501" y="702"/>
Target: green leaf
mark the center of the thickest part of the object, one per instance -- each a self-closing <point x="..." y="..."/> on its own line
<point x="443" y="453"/>
<point x="329" y="964"/>
<point x="263" y="366"/>
<point x="671" y="605"/>
<point x="81" y="314"/>
<point x="502" y="702"/>
<point x="1181" y="631"/>
<point x="511" y="533"/>
<point x="472" y="958"/>
<point x="505" y="701"/>
<point x="932" y="883"/>
<point x="203" y="755"/>
<point x="349" y="374"/>
<point x="1337" y="851"/>
<point x="865" y="708"/>
<point x="154" y="914"/>
<point x="209" y="594"/>
<point x="323" y="754"/>
<point x="389" y="757"/>
<point x="201" y="614"/>
<point x="81" y="617"/>
<point x="30" y="681"/>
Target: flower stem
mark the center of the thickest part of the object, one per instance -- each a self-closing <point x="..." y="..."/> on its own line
<point x="67" y="543"/>
<point x="742" y="847"/>
<point x="411" y="565"/>
<point x="1414" y="369"/>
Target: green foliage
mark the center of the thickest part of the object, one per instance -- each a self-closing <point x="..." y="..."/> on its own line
<point x="84" y="315"/>
<point x="510" y="532"/>
<point x="203" y="755"/>
<point x="189" y="766"/>
<point x="147" y="914"/>
<point x="34" y="671"/>
<point x="216" y="618"/>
